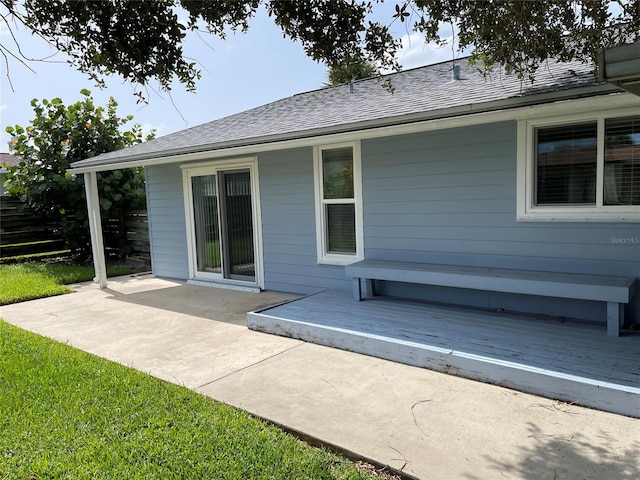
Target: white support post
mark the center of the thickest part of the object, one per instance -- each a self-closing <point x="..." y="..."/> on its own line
<point x="95" y="228"/>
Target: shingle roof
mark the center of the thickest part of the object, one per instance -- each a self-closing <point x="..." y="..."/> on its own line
<point x="426" y="91"/>
<point x="9" y="160"/>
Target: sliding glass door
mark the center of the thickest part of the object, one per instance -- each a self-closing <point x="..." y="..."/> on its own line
<point x="207" y="223"/>
<point x="222" y="211"/>
<point x="237" y="229"/>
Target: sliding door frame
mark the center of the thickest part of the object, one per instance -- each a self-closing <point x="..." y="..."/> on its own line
<point x="191" y="170"/>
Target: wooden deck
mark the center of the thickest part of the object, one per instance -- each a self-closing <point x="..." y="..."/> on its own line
<point x="562" y="359"/>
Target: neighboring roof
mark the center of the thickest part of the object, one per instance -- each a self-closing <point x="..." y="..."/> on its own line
<point x="9" y="160"/>
<point x="421" y="93"/>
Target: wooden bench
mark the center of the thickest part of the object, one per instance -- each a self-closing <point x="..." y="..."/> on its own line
<point x="615" y="291"/>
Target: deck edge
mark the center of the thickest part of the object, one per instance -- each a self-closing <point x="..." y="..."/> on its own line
<point x="614" y="398"/>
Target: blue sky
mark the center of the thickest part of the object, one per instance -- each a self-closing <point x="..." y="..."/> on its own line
<point x="241" y="72"/>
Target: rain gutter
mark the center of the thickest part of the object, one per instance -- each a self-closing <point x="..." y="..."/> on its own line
<point x="499" y="110"/>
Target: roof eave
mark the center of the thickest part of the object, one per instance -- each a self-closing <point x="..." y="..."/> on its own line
<point x="289" y="139"/>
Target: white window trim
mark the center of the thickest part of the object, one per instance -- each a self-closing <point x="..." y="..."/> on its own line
<point x="527" y="211"/>
<point x="321" y="238"/>
<point x="207" y="168"/>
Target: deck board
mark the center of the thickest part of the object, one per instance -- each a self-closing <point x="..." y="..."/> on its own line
<point x="550" y="353"/>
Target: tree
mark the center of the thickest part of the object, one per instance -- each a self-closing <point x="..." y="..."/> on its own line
<point x="523" y="35"/>
<point x="59" y="136"/>
<point x="352" y="69"/>
<point x="142" y="41"/>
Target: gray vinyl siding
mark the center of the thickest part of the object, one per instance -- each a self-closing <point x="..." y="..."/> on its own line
<point x="289" y="225"/>
<point x="167" y="230"/>
<point x="450" y="197"/>
<point x="445" y="196"/>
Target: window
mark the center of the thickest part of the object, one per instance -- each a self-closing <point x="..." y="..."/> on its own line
<point x="622" y="161"/>
<point x="582" y="170"/>
<point x="338" y="203"/>
<point x="566" y="165"/>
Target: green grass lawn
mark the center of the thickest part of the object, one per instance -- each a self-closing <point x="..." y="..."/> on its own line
<point x="27" y="281"/>
<point x="65" y="414"/>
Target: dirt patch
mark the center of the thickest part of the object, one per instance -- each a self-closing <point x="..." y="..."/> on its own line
<point x="382" y="473"/>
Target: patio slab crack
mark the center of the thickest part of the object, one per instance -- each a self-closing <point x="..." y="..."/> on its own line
<point x="249" y="366"/>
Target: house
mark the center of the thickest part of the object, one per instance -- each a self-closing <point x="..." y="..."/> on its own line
<point x="516" y="202"/>
<point x="451" y="168"/>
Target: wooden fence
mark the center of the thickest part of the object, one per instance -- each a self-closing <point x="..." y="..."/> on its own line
<point x="24" y="233"/>
<point x="136" y="232"/>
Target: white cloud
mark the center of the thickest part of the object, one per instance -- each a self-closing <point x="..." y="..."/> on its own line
<point x="147" y="127"/>
<point x="416" y="53"/>
<point x="5" y="138"/>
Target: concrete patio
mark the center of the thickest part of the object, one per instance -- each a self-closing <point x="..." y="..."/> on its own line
<point x="426" y="424"/>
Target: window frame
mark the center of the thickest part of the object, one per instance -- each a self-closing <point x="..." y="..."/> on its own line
<point x="528" y="211"/>
<point x="323" y="255"/>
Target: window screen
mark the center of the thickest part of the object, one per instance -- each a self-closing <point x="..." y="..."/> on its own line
<point x="341" y="228"/>
<point x="622" y="161"/>
<point x="337" y="173"/>
<point x="566" y="161"/>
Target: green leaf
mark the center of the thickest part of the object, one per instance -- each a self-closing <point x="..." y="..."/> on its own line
<point x="85" y="92"/>
<point x="57" y="137"/>
<point x="105" y="204"/>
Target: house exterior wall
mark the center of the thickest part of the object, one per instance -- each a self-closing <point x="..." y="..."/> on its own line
<point x="289" y="225"/>
<point x="449" y="197"/>
<point x="167" y="230"/>
<point x="445" y="196"/>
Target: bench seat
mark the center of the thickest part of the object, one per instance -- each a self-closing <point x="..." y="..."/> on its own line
<point x="615" y="291"/>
